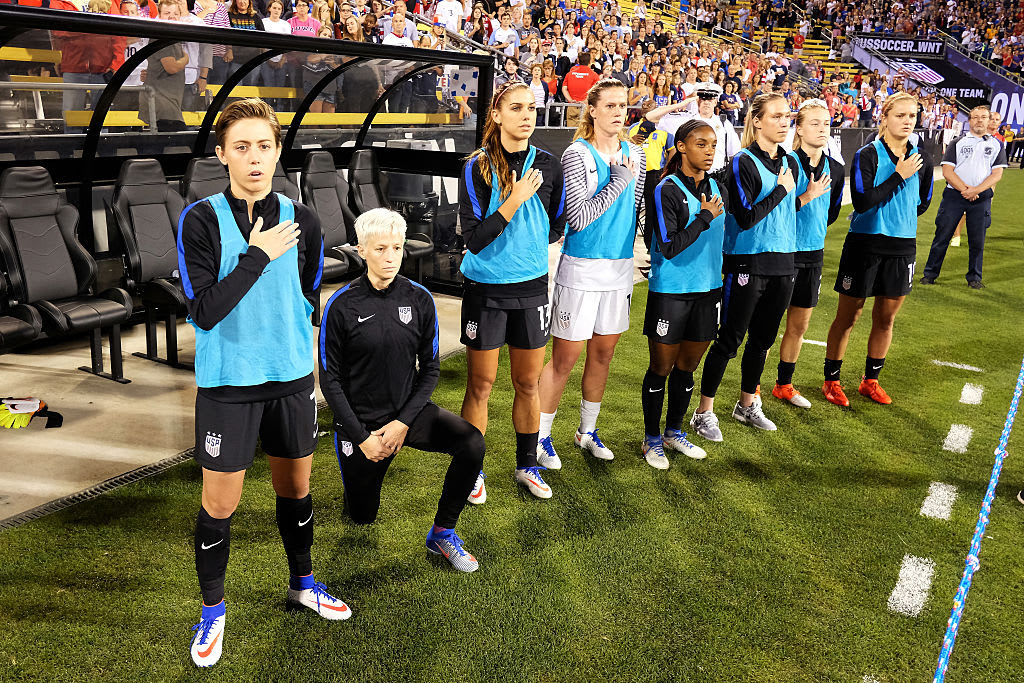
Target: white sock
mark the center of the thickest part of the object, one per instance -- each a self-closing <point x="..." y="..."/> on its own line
<point x="588" y="415"/>
<point x="546" y="420"/>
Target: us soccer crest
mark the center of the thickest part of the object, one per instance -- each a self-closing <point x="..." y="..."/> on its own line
<point x="662" y="328"/>
<point x="564" y="319"/>
<point x="405" y="314"/>
<point x="743" y="279"/>
<point x="346" y="448"/>
<point x="471" y="330"/>
<point x="847" y="282"/>
<point x="213" y="444"/>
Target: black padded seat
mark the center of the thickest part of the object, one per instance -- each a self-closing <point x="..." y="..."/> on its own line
<point x="326" y="192"/>
<point x="51" y="271"/>
<point x="20" y="325"/>
<point x="145" y="210"/>
<point x="203" y="177"/>
<point x="282" y="184"/>
<point x="364" y="177"/>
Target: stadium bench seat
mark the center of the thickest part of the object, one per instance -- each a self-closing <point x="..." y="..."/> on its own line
<point x="364" y="174"/>
<point x="327" y="193"/>
<point x="204" y="176"/>
<point x="145" y="210"/>
<point x="52" y="272"/>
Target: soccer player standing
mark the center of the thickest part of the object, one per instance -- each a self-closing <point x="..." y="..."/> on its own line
<point x="511" y="207"/>
<point x="760" y="239"/>
<point x="819" y="190"/>
<point x="972" y="165"/>
<point x="687" y="221"/>
<point x="251" y="289"/>
<point x="374" y="332"/>
<point x="891" y="183"/>
<point x="604" y="188"/>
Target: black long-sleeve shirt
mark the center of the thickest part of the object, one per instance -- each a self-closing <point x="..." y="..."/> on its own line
<point x="675" y="212"/>
<point x="744" y="182"/>
<point x="370" y="342"/>
<point x="209" y="300"/>
<point x="837" y="172"/>
<point x="479" y="230"/>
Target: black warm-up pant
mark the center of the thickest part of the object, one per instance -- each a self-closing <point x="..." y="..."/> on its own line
<point x="979" y="217"/>
<point x="435" y="430"/>
<point x="752" y="306"/>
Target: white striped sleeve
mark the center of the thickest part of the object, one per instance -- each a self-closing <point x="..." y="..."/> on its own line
<point x="580" y="208"/>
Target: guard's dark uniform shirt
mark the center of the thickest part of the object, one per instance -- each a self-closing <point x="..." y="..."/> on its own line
<point x="199" y="247"/>
<point x="370" y="341"/>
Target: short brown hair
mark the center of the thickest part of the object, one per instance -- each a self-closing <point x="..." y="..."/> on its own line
<point x="249" y="108"/>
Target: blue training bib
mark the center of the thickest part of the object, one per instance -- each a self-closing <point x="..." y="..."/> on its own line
<point x="520" y="252"/>
<point x="612" y="234"/>
<point x="812" y="218"/>
<point x="896" y="217"/>
<point x="267" y="336"/>
<point x="699" y="267"/>
<point x="776" y="232"/>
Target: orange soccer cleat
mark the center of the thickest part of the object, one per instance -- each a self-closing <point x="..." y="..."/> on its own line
<point x="873" y="390"/>
<point x="834" y="393"/>
<point x="787" y="392"/>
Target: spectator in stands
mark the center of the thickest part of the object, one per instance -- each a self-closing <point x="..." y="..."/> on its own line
<point x="866" y="106"/>
<point x="242" y="15"/>
<point x="541" y="92"/>
<point x="509" y="73"/>
<point x="641" y="91"/>
<point x="478" y="26"/>
<point x="532" y="54"/>
<point x="578" y="81"/>
<point x="165" y="77"/>
<point x="400" y="98"/>
<point x="450" y="13"/>
<point x="316" y="66"/>
<point x="399" y="8"/>
<point x="273" y="72"/>
<point x="506" y="38"/>
<point x="371" y="30"/>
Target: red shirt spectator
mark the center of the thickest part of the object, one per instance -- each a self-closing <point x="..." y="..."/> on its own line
<point x="580" y="79"/>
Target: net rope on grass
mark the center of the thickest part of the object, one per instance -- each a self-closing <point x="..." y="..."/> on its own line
<point x="972" y="562"/>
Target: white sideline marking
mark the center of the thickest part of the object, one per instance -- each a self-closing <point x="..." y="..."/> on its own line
<point x="911" y="591"/>
<point x="870" y="679"/>
<point x="816" y="343"/>
<point x="957" y="439"/>
<point x="958" y="366"/>
<point x="971" y="394"/>
<point x="939" y="503"/>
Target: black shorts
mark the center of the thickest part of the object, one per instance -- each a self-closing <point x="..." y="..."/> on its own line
<point x="675" y="318"/>
<point x="807" y="286"/>
<point x="486" y="327"/>
<point x="864" y="274"/>
<point x="226" y="433"/>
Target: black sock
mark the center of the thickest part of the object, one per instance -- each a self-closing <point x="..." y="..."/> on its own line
<point x="714" y="370"/>
<point x="786" y="372"/>
<point x="751" y="367"/>
<point x="212" y="544"/>
<point x="873" y="366"/>
<point x="832" y="370"/>
<point x="680" y="389"/>
<point x="295" y="522"/>
<point x="652" y="399"/>
<point x="526" y="450"/>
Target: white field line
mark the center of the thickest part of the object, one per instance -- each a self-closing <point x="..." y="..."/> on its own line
<point x="957" y="439"/>
<point x="911" y="591"/>
<point x="868" y="678"/>
<point x="939" y="503"/>
<point x="816" y="343"/>
<point x="958" y="366"/>
<point x="971" y="394"/>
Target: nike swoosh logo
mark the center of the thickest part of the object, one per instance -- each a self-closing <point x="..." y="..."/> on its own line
<point x="690" y="388"/>
<point x="654" y="391"/>
<point x="539" y="487"/>
<point x="366" y="318"/>
<point x="307" y="521"/>
<point x="876" y="367"/>
<point x="207" y="547"/>
<point x="207" y="651"/>
<point x="480" y="493"/>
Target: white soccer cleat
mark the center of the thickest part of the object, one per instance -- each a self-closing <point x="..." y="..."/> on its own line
<point x="530" y="478"/>
<point x="208" y="642"/>
<point x="653" y="452"/>
<point x="677" y="441"/>
<point x="320" y="601"/>
<point x="591" y="443"/>
<point x="546" y="455"/>
<point x="754" y="416"/>
<point x="478" y="496"/>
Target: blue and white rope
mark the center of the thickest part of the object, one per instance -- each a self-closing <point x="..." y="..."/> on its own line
<point x="973" y="563"/>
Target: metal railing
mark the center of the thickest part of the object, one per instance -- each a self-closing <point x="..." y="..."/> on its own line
<point x="991" y="65"/>
<point x="37" y="88"/>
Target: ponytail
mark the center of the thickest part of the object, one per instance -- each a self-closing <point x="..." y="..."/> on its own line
<point x="757" y="108"/>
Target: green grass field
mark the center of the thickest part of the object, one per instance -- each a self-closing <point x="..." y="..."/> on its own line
<point x="772" y="560"/>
